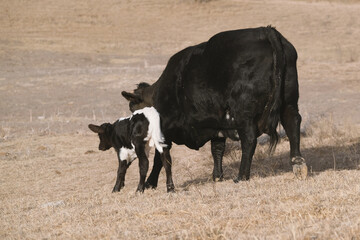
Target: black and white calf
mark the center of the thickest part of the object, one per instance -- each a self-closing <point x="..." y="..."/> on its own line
<point x="132" y="138"/>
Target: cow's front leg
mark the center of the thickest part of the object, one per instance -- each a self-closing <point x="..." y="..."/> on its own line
<point x="120" y="179"/>
<point x="167" y="162"/>
<point x="217" y="151"/>
<point x="143" y="165"/>
<point x="153" y="178"/>
<point x="248" y="144"/>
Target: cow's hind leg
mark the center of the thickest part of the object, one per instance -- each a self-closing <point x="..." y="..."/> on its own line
<point x="152" y="180"/>
<point x="291" y="119"/>
<point x="248" y="144"/>
<point x="217" y="151"/>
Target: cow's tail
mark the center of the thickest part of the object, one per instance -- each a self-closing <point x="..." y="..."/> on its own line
<point x="273" y="108"/>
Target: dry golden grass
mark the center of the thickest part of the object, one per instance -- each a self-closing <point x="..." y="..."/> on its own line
<point x="50" y="189"/>
<point x="63" y="65"/>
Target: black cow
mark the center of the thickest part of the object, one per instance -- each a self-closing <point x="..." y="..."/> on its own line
<point x="131" y="138"/>
<point x="237" y="85"/>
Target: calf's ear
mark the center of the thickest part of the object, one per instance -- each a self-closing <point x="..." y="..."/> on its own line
<point x="96" y="129"/>
<point x="131" y="97"/>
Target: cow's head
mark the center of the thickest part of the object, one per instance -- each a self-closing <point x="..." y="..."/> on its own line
<point x="140" y="98"/>
<point x="104" y="131"/>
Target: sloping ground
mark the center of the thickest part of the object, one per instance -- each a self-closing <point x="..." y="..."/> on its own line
<point x="63" y="65"/>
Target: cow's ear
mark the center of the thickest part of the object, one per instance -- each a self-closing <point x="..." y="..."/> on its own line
<point x="131" y="97"/>
<point x="96" y="129"/>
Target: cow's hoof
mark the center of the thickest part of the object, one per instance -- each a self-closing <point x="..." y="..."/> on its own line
<point x="297" y="160"/>
<point x="300" y="171"/>
<point x="217" y="176"/>
<point x="218" y="179"/>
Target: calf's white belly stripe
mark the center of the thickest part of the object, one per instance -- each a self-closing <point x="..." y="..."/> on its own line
<point x="126" y="154"/>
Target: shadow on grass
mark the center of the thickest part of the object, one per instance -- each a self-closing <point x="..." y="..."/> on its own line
<point x="318" y="159"/>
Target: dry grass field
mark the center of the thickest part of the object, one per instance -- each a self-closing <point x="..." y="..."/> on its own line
<point x="63" y="65"/>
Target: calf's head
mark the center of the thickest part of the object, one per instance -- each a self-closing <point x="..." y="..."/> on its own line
<point x="104" y="131"/>
<point x="140" y="98"/>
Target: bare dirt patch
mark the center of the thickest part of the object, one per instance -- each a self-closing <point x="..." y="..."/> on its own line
<point x="63" y="65"/>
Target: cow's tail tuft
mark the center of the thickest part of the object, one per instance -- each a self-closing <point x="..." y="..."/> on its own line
<point x="275" y="101"/>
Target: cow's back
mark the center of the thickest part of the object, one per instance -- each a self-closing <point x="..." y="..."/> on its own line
<point x="233" y="71"/>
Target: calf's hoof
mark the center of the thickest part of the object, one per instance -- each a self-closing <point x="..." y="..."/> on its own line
<point x="149" y="185"/>
<point x="171" y="190"/>
<point x="140" y="190"/>
<point x="241" y="178"/>
<point x="299" y="168"/>
<point x="117" y="188"/>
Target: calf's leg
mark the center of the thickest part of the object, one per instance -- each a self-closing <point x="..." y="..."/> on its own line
<point x="143" y="165"/>
<point x="120" y="180"/>
<point x="167" y="162"/>
<point x="152" y="180"/>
